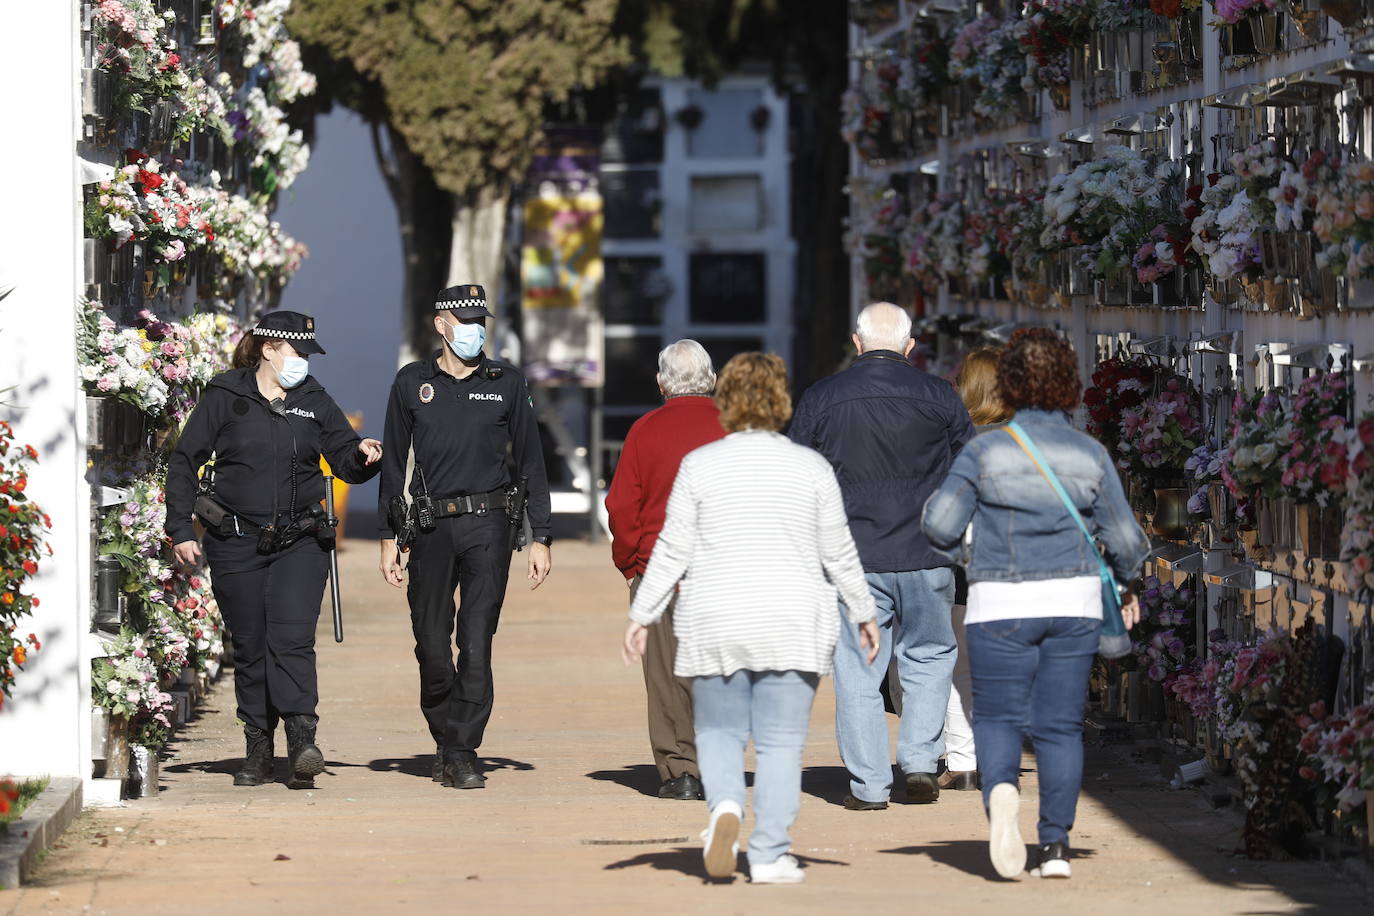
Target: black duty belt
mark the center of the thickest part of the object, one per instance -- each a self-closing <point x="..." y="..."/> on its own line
<point x="475" y="503"/>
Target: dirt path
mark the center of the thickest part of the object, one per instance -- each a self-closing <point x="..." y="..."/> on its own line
<point x="566" y="823"/>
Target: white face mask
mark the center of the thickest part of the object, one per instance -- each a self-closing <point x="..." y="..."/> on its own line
<point x="293" y="371"/>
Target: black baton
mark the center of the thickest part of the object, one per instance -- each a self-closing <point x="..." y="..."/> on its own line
<point x="332" y="521"/>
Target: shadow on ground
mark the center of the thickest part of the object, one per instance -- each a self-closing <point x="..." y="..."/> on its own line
<point x="968" y="856"/>
<point x="422" y="765"/>
<point x="688" y="861"/>
<point x="1142" y="799"/>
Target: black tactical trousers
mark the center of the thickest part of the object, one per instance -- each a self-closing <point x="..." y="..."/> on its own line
<point x="271" y="605"/>
<point x="468" y="553"/>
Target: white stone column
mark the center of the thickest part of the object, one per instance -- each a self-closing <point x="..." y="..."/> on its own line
<point x="45" y="725"/>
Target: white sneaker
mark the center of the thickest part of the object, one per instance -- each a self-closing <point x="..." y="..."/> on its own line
<point x="784" y="871"/>
<point x="721" y="839"/>
<point x="1005" y="848"/>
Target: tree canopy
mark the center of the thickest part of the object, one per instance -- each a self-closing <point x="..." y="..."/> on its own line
<point x="465" y="82"/>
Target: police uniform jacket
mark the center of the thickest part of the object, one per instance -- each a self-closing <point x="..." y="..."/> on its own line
<point x="253" y="447"/>
<point x="461" y="430"/>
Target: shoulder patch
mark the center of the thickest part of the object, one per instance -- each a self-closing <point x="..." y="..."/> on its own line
<point x="426" y="393"/>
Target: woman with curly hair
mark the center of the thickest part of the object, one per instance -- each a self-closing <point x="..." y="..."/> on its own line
<point x="1035" y="596"/>
<point x="756" y="544"/>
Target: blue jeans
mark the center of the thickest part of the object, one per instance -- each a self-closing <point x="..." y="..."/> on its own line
<point x="914" y="617"/>
<point x="774" y="707"/>
<point x="1032" y="674"/>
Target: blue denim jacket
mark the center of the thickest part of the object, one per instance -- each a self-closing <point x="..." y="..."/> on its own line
<point x="1021" y="529"/>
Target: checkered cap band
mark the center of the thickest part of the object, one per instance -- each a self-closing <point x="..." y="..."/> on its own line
<point x="285" y="335"/>
<point x="458" y="303"/>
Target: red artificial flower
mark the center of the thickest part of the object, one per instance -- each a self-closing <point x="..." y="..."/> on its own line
<point x="151" y="181"/>
<point x="30" y="567"/>
<point x="134" y="156"/>
<point x="37" y="646"/>
<point x="32" y="452"/>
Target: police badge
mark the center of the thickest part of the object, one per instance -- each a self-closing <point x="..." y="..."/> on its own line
<point x="426" y="393"/>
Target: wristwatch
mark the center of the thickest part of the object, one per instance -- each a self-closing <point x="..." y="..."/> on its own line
<point x="543" y="539"/>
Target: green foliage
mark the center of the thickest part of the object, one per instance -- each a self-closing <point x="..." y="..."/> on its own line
<point x="465" y="82"/>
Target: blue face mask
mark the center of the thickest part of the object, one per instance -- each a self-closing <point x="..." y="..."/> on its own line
<point x="466" y="340"/>
<point x="293" y="371"/>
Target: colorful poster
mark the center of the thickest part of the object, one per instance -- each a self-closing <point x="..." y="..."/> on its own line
<point x="561" y="272"/>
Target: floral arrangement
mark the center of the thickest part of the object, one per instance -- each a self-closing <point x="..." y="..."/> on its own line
<point x="1340" y="751"/>
<point x="1202" y="469"/>
<point x="986" y="239"/>
<point x="144" y="202"/>
<point x="1357" y="535"/>
<point x="1198" y="683"/>
<point x="1160" y="255"/>
<point x="119" y="362"/>
<point x="128" y="683"/>
<point x="1344" y="218"/>
<point x="1159" y="436"/>
<point x="22" y="525"/>
<point x="878" y="221"/>
<point x="1224" y="227"/>
<point x="133" y="48"/>
<point x="934" y="241"/>
<point x="1048" y="32"/>
<point x="1108" y="205"/>
<point x="132" y="532"/>
<point x="987" y="52"/>
<point x="1118" y="385"/>
<point x="1315" y="466"/>
<point x="1257" y="437"/>
<point x="1165" y="609"/>
<point x="1230" y="12"/>
<point x="1298" y="190"/>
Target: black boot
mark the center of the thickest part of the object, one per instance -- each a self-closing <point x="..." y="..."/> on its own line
<point x="257" y="759"/>
<point x="437" y="774"/>
<point x="304" y="760"/>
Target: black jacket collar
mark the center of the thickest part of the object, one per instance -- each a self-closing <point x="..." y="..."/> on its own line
<point x="430" y="368"/>
<point x="244" y="382"/>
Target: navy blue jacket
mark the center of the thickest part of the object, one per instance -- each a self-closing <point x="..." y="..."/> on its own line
<point x="890" y="431"/>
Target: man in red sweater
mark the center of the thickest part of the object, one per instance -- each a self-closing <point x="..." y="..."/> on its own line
<point x="636" y="503"/>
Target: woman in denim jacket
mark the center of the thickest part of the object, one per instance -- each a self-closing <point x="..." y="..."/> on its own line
<point x="1035" y="601"/>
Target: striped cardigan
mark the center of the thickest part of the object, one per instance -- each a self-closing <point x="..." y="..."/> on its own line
<point x="757" y="542"/>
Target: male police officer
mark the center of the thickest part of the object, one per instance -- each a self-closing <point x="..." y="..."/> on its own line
<point x="460" y="411"/>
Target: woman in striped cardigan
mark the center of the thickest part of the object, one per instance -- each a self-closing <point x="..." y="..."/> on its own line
<point x="757" y="545"/>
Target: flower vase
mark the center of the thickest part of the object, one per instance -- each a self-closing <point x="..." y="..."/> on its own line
<point x="1346" y="12"/>
<point x="1264" y="32"/>
<point x="1170" y="519"/>
<point x="1308" y="22"/>
<point x="144" y="771"/>
<point x="117" y="747"/>
<point x="1061" y="94"/>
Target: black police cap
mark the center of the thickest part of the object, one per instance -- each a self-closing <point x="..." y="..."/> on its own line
<point x="466" y="301"/>
<point x="293" y="327"/>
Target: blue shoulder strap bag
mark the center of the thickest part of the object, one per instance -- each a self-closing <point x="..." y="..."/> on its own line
<point x="1114" y="642"/>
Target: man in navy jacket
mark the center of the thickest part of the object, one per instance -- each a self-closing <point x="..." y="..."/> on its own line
<point x="891" y="432"/>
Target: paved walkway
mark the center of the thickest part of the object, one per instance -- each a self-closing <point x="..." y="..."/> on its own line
<point x="566" y="823"/>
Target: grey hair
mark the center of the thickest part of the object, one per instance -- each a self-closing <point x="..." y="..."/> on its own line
<point x="684" y="367"/>
<point x="883" y="326"/>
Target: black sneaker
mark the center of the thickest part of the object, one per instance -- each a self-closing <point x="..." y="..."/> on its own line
<point x="1053" y="861"/>
<point x="462" y="774"/>
<point x="858" y="804"/>
<point x="922" y="788"/>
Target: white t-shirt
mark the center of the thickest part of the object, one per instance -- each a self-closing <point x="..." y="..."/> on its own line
<point x="1080" y="596"/>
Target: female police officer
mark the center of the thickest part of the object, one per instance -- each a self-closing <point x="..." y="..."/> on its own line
<point x="266" y="422"/>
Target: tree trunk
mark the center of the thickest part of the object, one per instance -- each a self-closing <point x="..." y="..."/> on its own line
<point x="424" y="214"/>
<point x="478" y="235"/>
<point x="820" y="172"/>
